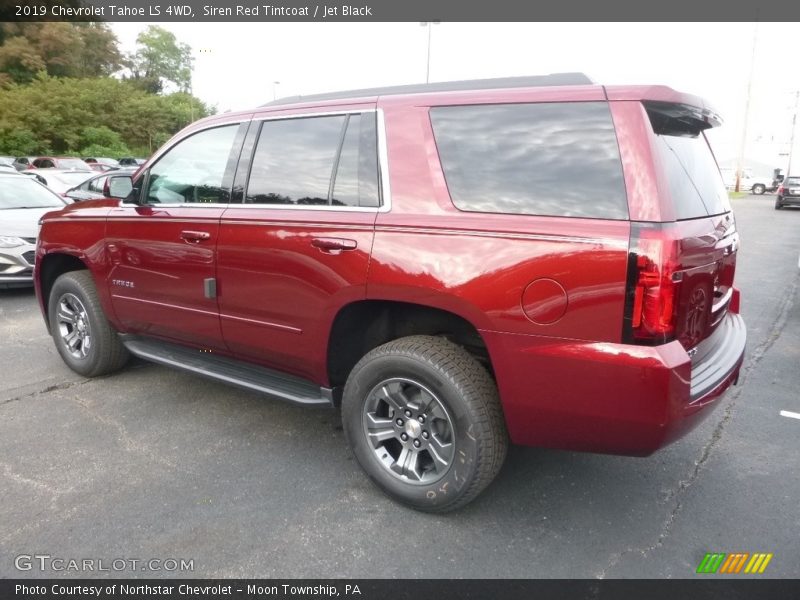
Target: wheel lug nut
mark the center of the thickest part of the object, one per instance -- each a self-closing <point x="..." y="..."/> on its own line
<point x="408" y="413"/>
<point x="416" y="443"/>
<point x="404" y="437"/>
<point x="421" y="419"/>
<point x="425" y="434"/>
<point x="399" y="422"/>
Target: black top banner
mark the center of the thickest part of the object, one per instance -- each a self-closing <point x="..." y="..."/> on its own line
<point x="394" y="10"/>
<point x="399" y="589"/>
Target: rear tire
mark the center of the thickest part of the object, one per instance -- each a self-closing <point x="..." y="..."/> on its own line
<point x="759" y="189"/>
<point x="83" y="336"/>
<point x="778" y="203"/>
<point x="423" y="419"/>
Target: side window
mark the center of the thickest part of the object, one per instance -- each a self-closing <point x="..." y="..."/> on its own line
<point x="554" y="159"/>
<point x="356" y="179"/>
<point x="95" y="185"/>
<point x="193" y="170"/>
<point x="321" y="161"/>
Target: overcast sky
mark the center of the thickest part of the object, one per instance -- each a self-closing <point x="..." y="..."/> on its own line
<point x="237" y="63"/>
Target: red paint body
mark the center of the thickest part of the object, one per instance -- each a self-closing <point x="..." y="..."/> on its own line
<point x="566" y="380"/>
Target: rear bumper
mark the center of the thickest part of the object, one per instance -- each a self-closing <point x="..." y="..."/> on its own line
<point x="611" y="398"/>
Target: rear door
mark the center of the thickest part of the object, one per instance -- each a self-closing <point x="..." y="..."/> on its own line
<point x="294" y="246"/>
<point x="163" y="251"/>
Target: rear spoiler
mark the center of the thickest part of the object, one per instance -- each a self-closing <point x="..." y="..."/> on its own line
<point x="668" y="118"/>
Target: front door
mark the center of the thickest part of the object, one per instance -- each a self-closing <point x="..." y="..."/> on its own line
<point x="163" y="250"/>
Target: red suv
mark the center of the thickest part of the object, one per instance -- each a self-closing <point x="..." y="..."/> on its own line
<point x="541" y="260"/>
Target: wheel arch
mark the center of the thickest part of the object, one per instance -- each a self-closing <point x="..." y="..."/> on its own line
<point x="360" y="326"/>
<point x="50" y="268"/>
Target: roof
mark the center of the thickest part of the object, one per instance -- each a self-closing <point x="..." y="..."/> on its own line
<point x="554" y="79"/>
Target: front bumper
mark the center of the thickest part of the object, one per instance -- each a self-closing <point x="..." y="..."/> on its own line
<point x="611" y="398"/>
<point x="16" y="265"/>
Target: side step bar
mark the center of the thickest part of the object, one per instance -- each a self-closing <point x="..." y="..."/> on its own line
<point x="245" y="375"/>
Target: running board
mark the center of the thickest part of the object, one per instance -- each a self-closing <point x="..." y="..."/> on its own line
<point x="241" y="374"/>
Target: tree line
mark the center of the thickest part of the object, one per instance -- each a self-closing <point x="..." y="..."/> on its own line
<point x="66" y="88"/>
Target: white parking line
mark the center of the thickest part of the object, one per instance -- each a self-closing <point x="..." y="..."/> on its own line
<point x="791" y="415"/>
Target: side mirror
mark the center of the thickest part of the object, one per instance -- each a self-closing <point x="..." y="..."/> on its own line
<point x="118" y="186"/>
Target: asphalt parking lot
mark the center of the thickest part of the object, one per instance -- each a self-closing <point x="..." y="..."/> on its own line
<point x="154" y="463"/>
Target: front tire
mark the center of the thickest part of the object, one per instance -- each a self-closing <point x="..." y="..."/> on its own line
<point x="423" y="419"/>
<point x="759" y="189"/>
<point x="83" y="336"/>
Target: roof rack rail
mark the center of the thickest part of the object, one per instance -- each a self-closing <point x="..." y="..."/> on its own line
<point x="553" y="79"/>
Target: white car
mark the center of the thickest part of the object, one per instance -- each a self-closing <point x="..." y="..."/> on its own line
<point x="60" y="180"/>
<point x="23" y="201"/>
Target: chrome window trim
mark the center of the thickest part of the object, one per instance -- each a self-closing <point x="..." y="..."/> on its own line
<point x="383" y="167"/>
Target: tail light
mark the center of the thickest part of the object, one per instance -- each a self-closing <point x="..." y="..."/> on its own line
<point x="780" y="190"/>
<point x="652" y="286"/>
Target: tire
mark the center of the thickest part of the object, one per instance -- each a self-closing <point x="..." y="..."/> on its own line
<point x="83" y="336"/>
<point x="759" y="189"/>
<point x="778" y="203"/>
<point x="456" y="438"/>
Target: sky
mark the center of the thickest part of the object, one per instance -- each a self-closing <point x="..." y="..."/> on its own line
<point x="237" y="65"/>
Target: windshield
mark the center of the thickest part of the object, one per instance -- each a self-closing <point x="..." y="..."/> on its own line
<point x="71" y="163"/>
<point x="22" y="192"/>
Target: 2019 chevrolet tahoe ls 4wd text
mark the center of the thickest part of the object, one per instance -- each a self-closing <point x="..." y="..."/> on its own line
<point x="539" y="260"/>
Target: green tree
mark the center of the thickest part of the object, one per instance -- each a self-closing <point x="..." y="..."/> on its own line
<point x="61" y="49"/>
<point x="73" y="114"/>
<point x="160" y="60"/>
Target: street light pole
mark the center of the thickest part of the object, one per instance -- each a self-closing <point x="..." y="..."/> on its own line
<point x="275" y="85"/>
<point x="740" y="162"/>
<point x="428" y="24"/>
<point x="791" y="138"/>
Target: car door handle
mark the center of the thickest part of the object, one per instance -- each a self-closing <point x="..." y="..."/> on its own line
<point x="334" y="245"/>
<point x="195" y="236"/>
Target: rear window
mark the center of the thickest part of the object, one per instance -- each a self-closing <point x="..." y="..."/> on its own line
<point x="792" y="181"/>
<point x="695" y="183"/>
<point x="554" y="159"/>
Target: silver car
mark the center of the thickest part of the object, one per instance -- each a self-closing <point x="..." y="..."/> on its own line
<point x="23" y="201"/>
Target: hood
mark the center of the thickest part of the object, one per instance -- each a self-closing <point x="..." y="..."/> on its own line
<point x="22" y="222"/>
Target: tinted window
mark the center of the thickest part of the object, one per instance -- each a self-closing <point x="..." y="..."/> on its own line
<point x="792" y="181"/>
<point x="192" y="171"/>
<point x="694" y="180"/>
<point x="294" y="161"/>
<point x="558" y="159"/>
<point x="356" y="182"/>
<point x="316" y="161"/>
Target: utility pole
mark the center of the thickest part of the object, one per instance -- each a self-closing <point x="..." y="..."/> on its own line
<point x="740" y="162"/>
<point x="791" y="139"/>
<point x="275" y="85"/>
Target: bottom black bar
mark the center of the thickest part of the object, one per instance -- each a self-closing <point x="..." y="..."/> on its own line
<point x="401" y="589"/>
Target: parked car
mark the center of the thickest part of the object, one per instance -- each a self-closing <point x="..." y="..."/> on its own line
<point x="102" y="164"/>
<point x="23" y="162"/>
<point x="60" y="180"/>
<point x="23" y="201"/>
<point x="7" y="161"/>
<point x="413" y="255"/>
<point x="98" y="186"/>
<point x="131" y="162"/>
<point x="788" y="193"/>
<point x="62" y="162"/>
